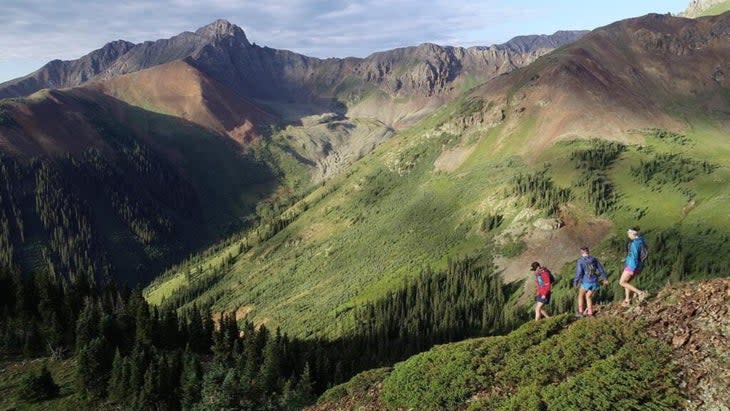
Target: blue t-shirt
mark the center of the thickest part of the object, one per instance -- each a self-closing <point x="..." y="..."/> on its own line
<point x="583" y="275"/>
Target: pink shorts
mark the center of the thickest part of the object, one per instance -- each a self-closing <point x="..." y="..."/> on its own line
<point x="631" y="271"/>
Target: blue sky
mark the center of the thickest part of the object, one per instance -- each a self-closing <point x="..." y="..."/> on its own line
<point x="33" y="32"/>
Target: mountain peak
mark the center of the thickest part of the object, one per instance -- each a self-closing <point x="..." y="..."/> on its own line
<point x="222" y="28"/>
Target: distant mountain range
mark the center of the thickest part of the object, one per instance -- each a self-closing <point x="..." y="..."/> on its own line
<point x="282" y="80"/>
<point x="128" y="131"/>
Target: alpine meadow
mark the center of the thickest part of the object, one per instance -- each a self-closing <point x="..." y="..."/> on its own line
<point x="203" y="223"/>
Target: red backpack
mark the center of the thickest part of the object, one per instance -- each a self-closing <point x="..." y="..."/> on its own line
<point x="544" y="278"/>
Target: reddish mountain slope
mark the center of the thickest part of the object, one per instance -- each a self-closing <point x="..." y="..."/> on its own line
<point x="181" y="90"/>
<point x="651" y="71"/>
<point x="63" y="128"/>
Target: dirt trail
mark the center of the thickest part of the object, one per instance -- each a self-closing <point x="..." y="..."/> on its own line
<point x="553" y="247"/>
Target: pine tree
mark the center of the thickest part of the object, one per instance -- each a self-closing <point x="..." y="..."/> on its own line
<point x="212" y="394"/>
<point x="270" y="372"/>
<point x="38" y="387"/>
<point x="117" y="382"/>
<point x="190" y="381"/>
<point x="92" y="368"/>
<point x="87" y="324"/>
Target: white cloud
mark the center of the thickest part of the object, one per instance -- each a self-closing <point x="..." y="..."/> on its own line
<point x="51" y="29"/>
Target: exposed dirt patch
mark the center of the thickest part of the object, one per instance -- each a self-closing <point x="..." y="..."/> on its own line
<point x="552" y="246"/>
<point x="368" y="400"/>
<point x="241" y="313"/>
<point x="694" y="319"/>
<point x="451" y="159"/>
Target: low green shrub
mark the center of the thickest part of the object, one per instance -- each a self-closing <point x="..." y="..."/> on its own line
<point x="38" y="387"/>
<point x="603" y="363"/>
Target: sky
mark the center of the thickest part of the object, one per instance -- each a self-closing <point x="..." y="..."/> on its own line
<point x="34" y="32"/>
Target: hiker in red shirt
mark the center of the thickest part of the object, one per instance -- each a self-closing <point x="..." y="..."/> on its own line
<point x="544" y="280"/>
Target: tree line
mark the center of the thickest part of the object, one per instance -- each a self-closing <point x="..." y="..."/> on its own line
<point x="143" y="357"/>
<point x="58" y="203"/>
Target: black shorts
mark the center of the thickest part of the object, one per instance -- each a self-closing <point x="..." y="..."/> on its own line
<point x="545" y="300"/>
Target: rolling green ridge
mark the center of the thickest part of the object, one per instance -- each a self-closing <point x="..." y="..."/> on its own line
<point x="552" y="364"/>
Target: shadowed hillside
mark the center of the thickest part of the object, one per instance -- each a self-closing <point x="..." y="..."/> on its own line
<point x="103" y="188"/>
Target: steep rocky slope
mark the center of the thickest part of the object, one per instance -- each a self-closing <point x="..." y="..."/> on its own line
<point x="60" y="74"/>
<point x="648" y="72"/>
<point x="694" y="319"/>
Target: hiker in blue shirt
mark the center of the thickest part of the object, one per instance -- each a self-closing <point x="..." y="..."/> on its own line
<point x="637" y="252"/>
<point x="588" y="272"/>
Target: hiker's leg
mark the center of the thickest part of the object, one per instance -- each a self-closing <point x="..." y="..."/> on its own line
<point x="538" y="309"/>
<point x="589" y="301"/>
<point x="581" y="296"/>
<point x="544" y="313"/>
<point x="628" y="288"/>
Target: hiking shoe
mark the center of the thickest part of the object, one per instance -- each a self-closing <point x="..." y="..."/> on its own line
<point x="626" y="303"/>
<point x="643" y="295"/>
<point x="578" y="314"/>
<point x="589" y="312"/>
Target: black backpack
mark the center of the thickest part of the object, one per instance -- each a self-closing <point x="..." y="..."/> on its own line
<point x="591" y="269"/>
<point x="552" y="277"/>
<point x="643" y="252"/>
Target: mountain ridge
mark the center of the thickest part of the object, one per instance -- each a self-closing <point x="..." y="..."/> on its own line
<point x="213" y="47"/>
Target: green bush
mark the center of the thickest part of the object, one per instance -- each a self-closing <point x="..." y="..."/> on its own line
<point x="358" y="384"/>
<point x="446" y="376"/>
<point x="38" y="387"/>
<point x="600" y="364"/>
<point x="441" y="378"/>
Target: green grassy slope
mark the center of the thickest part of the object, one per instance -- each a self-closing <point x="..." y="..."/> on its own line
<point x="423" y="197"/>
<point x="716" y="9"/>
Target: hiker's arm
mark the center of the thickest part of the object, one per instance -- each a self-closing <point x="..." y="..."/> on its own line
<point x="601" y="271"/>
<point x="633" y="260"/>
<point x="578" y="273"/>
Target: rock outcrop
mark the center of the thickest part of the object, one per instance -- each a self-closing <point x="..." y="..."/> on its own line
<point x="694" y="318"/>
<point x="697" y="8"/>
